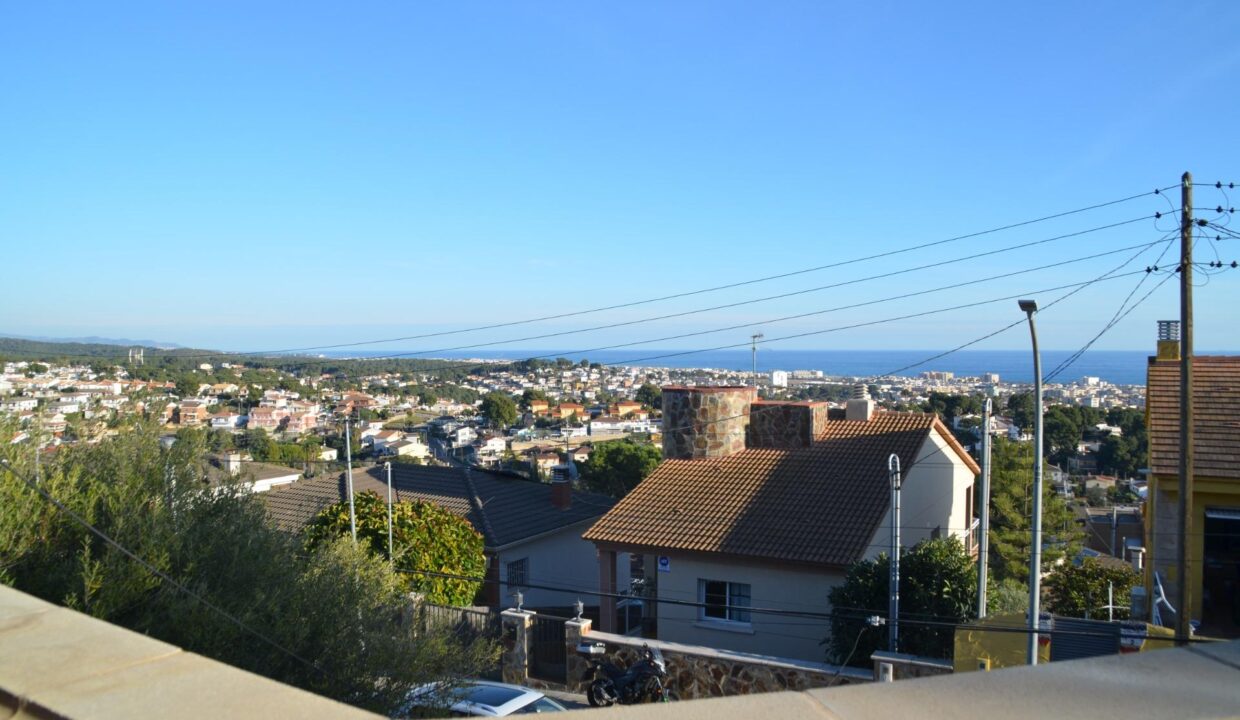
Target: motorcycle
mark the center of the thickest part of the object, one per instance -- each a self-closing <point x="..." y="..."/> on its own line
<point x="645" y="681"/>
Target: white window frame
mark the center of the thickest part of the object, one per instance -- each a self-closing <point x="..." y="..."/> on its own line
<point x="736" y="595"/>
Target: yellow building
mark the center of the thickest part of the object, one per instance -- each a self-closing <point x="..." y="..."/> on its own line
<point x="1214" y="541"/>
<point x="1000" y="641"/>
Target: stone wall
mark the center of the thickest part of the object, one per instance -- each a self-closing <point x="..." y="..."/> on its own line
<point x="785" y="424"/>
<point x="705" y="422"/>
<point x="701" y="672"/>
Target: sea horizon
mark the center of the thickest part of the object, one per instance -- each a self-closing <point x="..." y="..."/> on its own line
<point x="1120" y="367"/>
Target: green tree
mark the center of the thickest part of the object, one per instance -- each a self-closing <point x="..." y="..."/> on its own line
<point x="1063" y="432"/>
<point x="937" y="578"/>
<point x="425" y="538"/>
<point x="1020" y="408"/>
<point x="1011" y="507"/>
<point x="258" y="443"/>
<point x="950" y="406"/>
<point x="615" y="468"/>
<point x="1081" y="590"/>
<point x="337" y="608"/>
<point x="650" y="395"/>
<point x="1006" y="596"/>
<point x="499" y="409"/>
<point x="532" y="394"/>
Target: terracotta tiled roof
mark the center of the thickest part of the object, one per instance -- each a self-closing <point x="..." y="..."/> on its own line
<point x="819" y="504"/>
<point x="504" y="508"/>
<point x="1216" y="416"/>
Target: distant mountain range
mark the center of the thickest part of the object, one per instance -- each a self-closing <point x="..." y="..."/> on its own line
<point x="95" y="340"/>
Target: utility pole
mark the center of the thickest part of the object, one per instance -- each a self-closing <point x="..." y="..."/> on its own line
<point x="1182" y="628"/>
<point x="983" y="530"/>
<point x="893" y="591"/>
<point x="754" y="347"/>
<point x="348" y="460"/>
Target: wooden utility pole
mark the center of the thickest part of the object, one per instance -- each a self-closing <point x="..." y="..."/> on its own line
<point x="1183" y="584"/>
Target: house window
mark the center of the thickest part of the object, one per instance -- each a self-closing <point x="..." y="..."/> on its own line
<point x="519" y="573"/>
<point x="724" y="600"/>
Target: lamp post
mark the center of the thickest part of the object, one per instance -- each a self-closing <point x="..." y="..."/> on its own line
<point x="348" y="459"/>
<point x="1030" y="307"/>
<point x="893" y="591"/>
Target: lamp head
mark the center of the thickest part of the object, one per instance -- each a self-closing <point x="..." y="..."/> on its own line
<point x="1029" y="306"/>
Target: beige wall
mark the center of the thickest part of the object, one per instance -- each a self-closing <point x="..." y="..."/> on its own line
<point x="770" y="587"/>
<point x="932" y="495"/>
<point x="559" y="560"/>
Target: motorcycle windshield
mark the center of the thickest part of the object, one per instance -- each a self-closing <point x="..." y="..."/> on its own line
<point x="657" y="658"/>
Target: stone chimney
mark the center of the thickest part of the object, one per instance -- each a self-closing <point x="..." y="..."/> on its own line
<point x="860" y="406"/>
<point x="705" y="422"/>
<point x="1168" y="339"/>
<point x="232" y="463"/>
<point x="785" y="424"/>
<point x="561" y="494"/>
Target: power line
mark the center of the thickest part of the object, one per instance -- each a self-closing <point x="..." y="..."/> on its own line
<point x="729" y="286"/>
<point x="673" y="296"/>
<point x="781" y="296"/>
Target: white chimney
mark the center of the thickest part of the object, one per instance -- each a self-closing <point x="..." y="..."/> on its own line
<point x="232" y="463"/>
<point x="860" y="406"/>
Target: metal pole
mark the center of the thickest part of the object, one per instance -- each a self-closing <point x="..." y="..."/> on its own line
<point x="1184" y="559"/>
<point x="1114" y="527"/>
<point x="754" y="348"/>
<point x="348" y="459"/>
<point x="1035" y="542"/>
<point x="983" y="550"/>
<point x="391" y="557"/>
<point x="893" y="601"/>
<point x="1110" y="602"/>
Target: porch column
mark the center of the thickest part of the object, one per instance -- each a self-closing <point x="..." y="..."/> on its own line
<point x="607" y="584"/>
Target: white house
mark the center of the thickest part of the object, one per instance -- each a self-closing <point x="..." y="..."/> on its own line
<point x="768" y="508"/>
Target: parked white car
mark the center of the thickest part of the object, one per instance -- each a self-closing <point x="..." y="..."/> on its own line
<point x="480" y="698"/>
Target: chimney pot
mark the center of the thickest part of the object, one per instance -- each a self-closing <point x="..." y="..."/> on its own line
<point x="1168" y="339"/>
<point x="561" y="494"/>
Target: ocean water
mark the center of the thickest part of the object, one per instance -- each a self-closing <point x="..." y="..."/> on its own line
<point x="1122" y="367"/>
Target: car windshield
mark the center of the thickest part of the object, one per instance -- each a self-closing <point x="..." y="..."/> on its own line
<point x="490" y="695"/>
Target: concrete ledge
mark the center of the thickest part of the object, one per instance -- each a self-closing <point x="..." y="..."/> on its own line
<point x="1196" y="682"/>
<point x="60" y="663"/>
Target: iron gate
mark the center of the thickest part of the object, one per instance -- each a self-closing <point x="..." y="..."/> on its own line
<point x="548" y="656"/>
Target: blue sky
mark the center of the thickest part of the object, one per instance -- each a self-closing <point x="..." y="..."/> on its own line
<point x="247" y="176"/>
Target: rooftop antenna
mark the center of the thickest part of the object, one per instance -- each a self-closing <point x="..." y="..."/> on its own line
<point x="754" y="348"/>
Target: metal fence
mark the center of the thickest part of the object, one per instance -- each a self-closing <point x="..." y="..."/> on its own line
<point x="548" y="658"/>
<point x="466" y="623"/>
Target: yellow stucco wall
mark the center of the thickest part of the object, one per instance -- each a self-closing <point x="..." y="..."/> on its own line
<point x="1207" y="492"/>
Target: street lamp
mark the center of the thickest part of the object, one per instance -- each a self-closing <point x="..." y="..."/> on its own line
<point x="1030" y="308"/>
<point x="893" y="590"/>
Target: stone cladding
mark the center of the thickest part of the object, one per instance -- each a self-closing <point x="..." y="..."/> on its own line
<point x="705" y="422"/>
<point x="784" y="425"/>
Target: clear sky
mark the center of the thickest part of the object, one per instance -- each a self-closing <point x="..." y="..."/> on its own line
<point x="265" y="175"/>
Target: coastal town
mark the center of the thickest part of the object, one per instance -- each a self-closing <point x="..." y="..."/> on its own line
<point x="648" y="361"/>
<point x="420" y="415"/>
